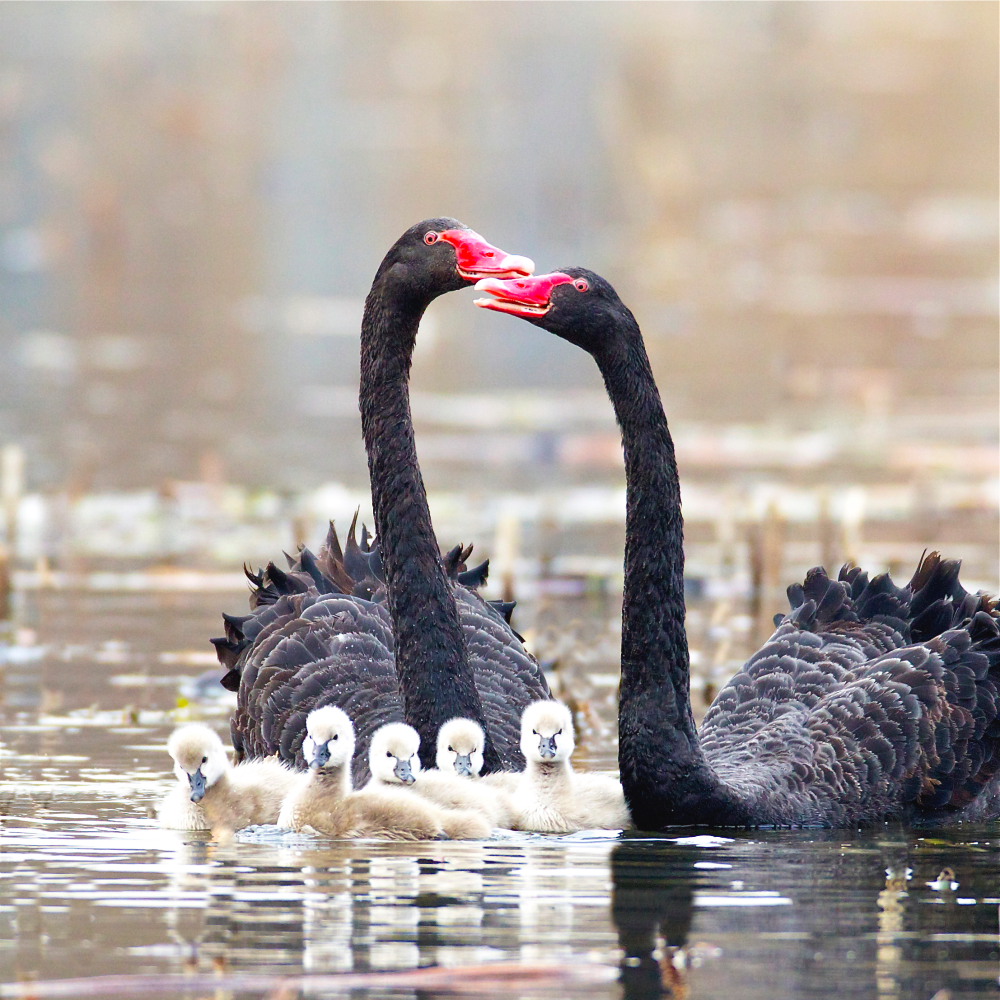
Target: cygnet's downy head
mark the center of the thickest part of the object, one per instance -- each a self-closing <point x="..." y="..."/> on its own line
<point x="199" y="757"/>
<point x="460" y="748"/>
<point x="329" y="739"/>
<point x="393" y="755"/>
<point x="547" y="732"/>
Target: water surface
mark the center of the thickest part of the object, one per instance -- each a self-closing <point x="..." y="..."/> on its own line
<point x="90" y="887"/>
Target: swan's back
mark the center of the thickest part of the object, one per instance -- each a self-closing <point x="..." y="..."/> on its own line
<point x="867" y="700"/>
<point x="319" y="633"/>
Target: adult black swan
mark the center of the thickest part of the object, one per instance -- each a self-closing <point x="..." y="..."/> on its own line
<point x="869" y="702"/>
<point x="318" y="637"/>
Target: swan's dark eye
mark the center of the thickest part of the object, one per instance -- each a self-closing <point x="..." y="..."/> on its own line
<point x="431" y="238"/>
<point x="336" y="736"/>
<point x="581" y="285"/>
<point x="558" y="734"/>
<point x="388" y="753"/>
<point x="534" y="732"/>
<point x="204" y="760"/>
<point x="451" y="749"/>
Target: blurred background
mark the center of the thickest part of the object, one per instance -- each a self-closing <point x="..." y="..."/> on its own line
<point x="798" y="202"/>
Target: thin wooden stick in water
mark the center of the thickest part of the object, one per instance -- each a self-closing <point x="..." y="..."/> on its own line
<point x="466" y="979"/>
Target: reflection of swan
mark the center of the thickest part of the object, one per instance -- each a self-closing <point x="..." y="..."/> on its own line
<point x="652" y="900"/>
<point x="551" y="797"/>
<point x="212" y="793"/>
<point x="870" y="702"/>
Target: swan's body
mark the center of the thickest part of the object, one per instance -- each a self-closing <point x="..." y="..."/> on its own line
<point x="221" y="797"/>
<point x="551" y="797"/>
<point x="446" y="652"/>
<point x="870" y="702"/>
<point x="455" y="783"/>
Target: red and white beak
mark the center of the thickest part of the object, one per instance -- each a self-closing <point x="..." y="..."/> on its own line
<point x="525" y="297"/>
<point x="479" y="259"/>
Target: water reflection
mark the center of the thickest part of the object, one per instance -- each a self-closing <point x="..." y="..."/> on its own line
<point x="652" y="904"/>
<point x="865" y="912"/>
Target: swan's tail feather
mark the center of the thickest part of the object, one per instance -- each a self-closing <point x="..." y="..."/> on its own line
<point x="505" y="609"/>
<point x="936" y="579"/>
<point x="330" y="551"/>
<point x="855" y="578"/>
<point x="475" y="577"/>
<point x="452" y="560"/>
<point x="228" y="651"/>
<point x="355" y="562"/>
<point x="310" y="565"/>
<point x="235" y="625"/>
<point x="818" y="600"/>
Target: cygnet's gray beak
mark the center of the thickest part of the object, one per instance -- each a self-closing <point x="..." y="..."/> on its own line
<point x="322" y="757"/>
<point x="463" y="764"/>
<point x="546" y="746"/>
<point x="197" y="785"/>
<point x="404" y="772"/>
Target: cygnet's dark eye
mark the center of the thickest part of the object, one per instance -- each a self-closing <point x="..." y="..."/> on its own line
<point x="204" y="760"/>
<point x="431" y="238"/>
<point x="581" y="285"/>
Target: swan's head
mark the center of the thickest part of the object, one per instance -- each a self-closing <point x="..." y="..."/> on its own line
<point x="199" y="758"/>
<point x="441" y="255"/>
<point x="329" y="739"/>
<point x="393" y="755"/>
<point x="460" y="747"/>
<point x="575" y="304"/>
<point x="547" y="732"/>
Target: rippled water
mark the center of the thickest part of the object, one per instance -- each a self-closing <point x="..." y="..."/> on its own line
<point x="90" y="888"/>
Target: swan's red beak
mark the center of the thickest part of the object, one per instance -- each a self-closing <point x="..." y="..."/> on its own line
<point x="478" y="259"/>
<point x="525" y="297"/>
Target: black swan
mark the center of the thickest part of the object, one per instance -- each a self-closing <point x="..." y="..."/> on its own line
<point x="318" y="633"/>
<point x="869" y="702"/>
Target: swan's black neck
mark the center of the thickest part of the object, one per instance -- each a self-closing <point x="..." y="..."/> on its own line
<point x="663" y="770"/>
<point x="436" y="682"/>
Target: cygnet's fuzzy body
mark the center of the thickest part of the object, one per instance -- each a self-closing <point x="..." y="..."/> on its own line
<point x="395" y="768"/>
<point x="456" y="784"/>
<point x="176" y="811"/>
<point x="552" y="797"/>
<point x="382" y="809"/>
<point x="220" y="796"/>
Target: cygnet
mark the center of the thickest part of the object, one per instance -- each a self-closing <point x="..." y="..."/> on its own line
<point x="214" y="794"/>
<point x="456" y="784"/>
<point x="553" y="798"/>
